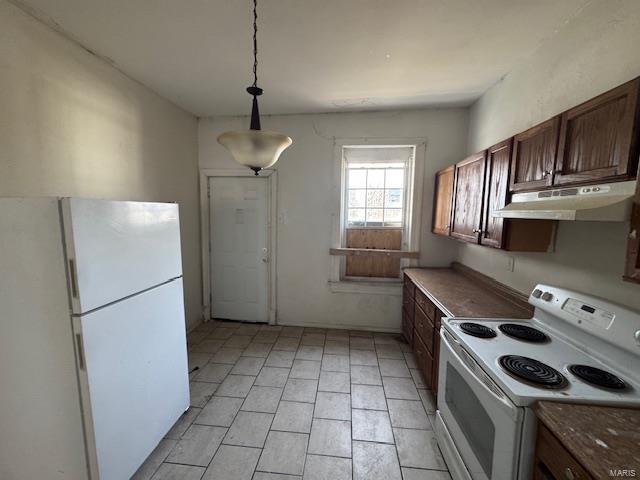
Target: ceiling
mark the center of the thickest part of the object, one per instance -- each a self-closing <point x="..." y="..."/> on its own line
<point x="315" y="55"/>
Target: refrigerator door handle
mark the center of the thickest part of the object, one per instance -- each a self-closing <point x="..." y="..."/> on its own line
<point x="80" y="348"/>
<point x="74" y="278"/>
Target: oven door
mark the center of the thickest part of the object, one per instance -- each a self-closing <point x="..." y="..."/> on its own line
<point x="483" y="423"/>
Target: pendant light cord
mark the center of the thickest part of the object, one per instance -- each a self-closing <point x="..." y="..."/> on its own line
<point x="255" y="43"/>
<point x="254" y="90"/>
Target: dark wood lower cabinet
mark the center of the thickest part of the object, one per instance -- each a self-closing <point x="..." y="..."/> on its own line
<point x="420" y="328"/>
<point x="407" y="327"/>
<point x="436" y="350"/>
<point x="553" y="461"/>
<point x="408" y="292"/>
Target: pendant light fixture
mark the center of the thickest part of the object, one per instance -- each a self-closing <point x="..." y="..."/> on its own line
<point x="255" y="148"/>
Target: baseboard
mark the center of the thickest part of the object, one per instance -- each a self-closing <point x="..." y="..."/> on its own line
<point x="339" y="327"/>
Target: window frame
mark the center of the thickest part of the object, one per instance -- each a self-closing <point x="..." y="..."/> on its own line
<point x="405" y="201"/>
<point x="414" y="182"/>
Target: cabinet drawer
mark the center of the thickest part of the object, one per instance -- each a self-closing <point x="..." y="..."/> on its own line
<point x="407" y="303"/>
<point x="407" y="328"/>
<point x="425" y="304"/>
<point x="429" y="337"/>
<point x="424" y="327"/>
<point x="436" y="353"/>
<point x="423" y="359"/>
<point x="409" y="287"/>
<point x="553" y="460"/>
<point x="419" y="320"/>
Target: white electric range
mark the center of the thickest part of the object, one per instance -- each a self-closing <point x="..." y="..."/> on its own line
<point x="576" y="348"/>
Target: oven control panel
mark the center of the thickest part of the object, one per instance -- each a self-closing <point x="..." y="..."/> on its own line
<point x="613" y="323"/>
<point x="588" y="313"/>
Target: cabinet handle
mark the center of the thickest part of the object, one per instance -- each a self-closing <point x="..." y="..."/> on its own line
<point x="568" y="474"/>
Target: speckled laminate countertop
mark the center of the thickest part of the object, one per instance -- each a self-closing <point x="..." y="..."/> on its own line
<point x="600" y="438"/>
<point x="460" y="295"/>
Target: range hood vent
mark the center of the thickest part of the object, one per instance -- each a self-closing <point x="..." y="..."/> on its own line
<point x="610" y="202"/>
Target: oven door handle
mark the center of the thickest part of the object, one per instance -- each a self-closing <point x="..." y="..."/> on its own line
<point x="506" y="404"/>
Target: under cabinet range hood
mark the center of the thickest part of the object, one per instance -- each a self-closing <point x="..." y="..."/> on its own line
<point x="610" y="202"/>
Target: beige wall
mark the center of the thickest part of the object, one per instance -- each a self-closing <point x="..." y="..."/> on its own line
<point x="71" y="125"/>
<point x="307" y="197"/>
<point x="594" y="52"/>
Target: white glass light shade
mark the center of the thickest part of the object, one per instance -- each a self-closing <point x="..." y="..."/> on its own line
<point x="256" y="149"/>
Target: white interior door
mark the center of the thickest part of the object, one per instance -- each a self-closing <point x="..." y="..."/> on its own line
<point x="239" y="236"/>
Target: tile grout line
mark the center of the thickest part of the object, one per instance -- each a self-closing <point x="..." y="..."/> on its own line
<point x="300" y="345"/>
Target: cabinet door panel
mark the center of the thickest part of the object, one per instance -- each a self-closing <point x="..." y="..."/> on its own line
<point x="553" y="460"/>
<point x="467" y="202"/>
<point x="443" y="198"/>
<point x="534" y="156"/>
<point x="598" y="138"/>
<point x="496" y="193"/>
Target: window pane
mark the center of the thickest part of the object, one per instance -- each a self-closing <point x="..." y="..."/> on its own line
<point x="356" y="216"/>
<point x="357" y="178"/>
<point x="375" y="179"/>
<point x="395" y="178"/>
<point x="375" y="198"/>
<point x="357" y="198"/>
<point x="393" y="198"/>
<point x="393" y="217"/>
<point x="374" y="216"/>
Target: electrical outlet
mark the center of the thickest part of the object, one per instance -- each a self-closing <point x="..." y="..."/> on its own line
<point x="511" y="263"/>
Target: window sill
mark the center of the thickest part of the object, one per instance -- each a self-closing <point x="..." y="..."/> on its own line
<point x="391" y="287"/>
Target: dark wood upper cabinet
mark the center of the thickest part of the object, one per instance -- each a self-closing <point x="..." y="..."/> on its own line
<point x="598" y="139"/>
<point x="518" y="235"/>
<point x="467" y="198"/>
<point x="496" y="193"/>
<point x="632" y="267"/>
<point x="443" y="197"/>
<point x="534" y="156"/>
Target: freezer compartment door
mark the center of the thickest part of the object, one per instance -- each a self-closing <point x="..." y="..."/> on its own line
<point x="134" y="379"/>
<point x="116" y="249"/>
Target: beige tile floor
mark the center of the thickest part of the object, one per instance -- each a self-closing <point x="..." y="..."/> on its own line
<point x="293" y="403"/>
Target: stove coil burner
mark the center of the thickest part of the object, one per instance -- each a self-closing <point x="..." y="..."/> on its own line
<point x="523" y="332"/>
<point x="477" y="330"/>
<point x="597" y="377"/>
<point x="532" y="371"/>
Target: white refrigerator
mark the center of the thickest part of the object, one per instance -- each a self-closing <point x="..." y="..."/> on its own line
<point x="93" y="359"/>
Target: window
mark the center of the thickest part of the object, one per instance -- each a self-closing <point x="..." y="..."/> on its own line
<point x="375" y="193"/>
<point x="376" y="206"/>
<point x="375" y="179"/>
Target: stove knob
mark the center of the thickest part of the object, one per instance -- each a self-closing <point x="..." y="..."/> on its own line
<point x="536" y="293"/>
<point x="547" y="296"/>
<point x="637" y="336"/>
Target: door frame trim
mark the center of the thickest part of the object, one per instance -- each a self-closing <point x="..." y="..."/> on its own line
<point x="205" y="225"/>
